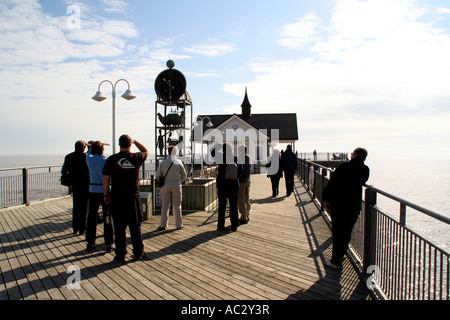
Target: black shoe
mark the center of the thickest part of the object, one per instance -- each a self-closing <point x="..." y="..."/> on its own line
<point x="140" y="256"/>
<point x="91" y="247"/>
<point x="220" y="228"/>
<point x="243" y="221"/>
<point x="161" y="228"/>
<point x="119" y="259"/>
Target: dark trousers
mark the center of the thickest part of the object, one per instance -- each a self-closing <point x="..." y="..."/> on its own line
<point x="289" y="178"/>
<point x="342" y="223"/>
<point x="80" y="195"/>
<point x="230" y="194"/>
<point x="275" y="181"/>
<point x="95" y="200"/>
<point x="127" y="212"/>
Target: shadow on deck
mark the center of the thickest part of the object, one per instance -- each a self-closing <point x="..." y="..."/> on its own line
<point x="278" y="255"/>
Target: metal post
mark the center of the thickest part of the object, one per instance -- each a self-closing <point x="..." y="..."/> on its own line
<point x="100" y="97"/>
<point x="114" y="119"/>
<point x="201" y="134"/>
<point x="25" y="186"/>
<point x="402" y="213"/>
<point x="322" y="186"/>
<point x="370" y="235"/>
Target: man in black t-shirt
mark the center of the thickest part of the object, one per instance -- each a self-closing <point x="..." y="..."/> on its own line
<point x="122" y="169"/>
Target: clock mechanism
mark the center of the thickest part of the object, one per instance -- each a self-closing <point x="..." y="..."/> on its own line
<point x="170" y="84"/>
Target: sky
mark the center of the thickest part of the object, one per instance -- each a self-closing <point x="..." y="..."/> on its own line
<point x="374" y="73"/>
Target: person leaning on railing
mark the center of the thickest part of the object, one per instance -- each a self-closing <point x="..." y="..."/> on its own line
<point x="342" y="197"/>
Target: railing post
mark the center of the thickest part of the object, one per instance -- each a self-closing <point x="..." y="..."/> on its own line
<point x="143" y="171"/>
<point x="370" y="234"/>
<point x="322" y="186"/>
<point x="402" y="214"/>
<point x="25" y="185"/>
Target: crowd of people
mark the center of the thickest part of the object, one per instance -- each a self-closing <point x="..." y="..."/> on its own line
<point x="113" y="183"/>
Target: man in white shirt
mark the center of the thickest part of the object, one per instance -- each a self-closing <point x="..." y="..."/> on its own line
<point x="175" y="174"/>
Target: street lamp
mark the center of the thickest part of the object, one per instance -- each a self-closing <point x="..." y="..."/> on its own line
<point x="209" y="125"/>
<point x="128" y="95"/>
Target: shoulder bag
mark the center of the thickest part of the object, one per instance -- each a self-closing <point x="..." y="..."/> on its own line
<point x="160" y="181"/>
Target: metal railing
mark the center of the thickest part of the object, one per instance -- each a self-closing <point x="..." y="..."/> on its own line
<point x="403" y="264"/>
<point x="323" y="156"/>
<point x="23" y="185"/>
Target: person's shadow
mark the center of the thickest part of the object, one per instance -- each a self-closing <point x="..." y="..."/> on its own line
<point x="186" y="244"/>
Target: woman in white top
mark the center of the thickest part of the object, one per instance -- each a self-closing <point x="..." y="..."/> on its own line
<point x="175" y="174"/>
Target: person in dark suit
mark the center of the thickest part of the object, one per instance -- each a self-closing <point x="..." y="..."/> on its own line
<point x="75" y="165"/>
<point x="342" y="196"/>
<point x="274" y="172"/>
<point x="227" y="181"/>
<point x="289" y="165"/>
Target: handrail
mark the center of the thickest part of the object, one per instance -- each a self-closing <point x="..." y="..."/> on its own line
<point x="29" y="167"/>
<point x="407" y="265"/>
<point x="410" y="204"/>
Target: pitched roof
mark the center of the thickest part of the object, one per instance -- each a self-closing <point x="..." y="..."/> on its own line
<point x="286" y="123"/>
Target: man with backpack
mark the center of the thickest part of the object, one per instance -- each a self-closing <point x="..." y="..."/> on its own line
<point x="227" y="180"/>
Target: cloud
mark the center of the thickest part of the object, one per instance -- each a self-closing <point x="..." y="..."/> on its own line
<point x="52" y="70"/>
<point x="114" y="5"/>
<point x="212" y="49"/>
<point x="375" y="66"/>
<point x="300" y="33"/>
<point x="30" y="37"/>
<point x="443" y="10"/>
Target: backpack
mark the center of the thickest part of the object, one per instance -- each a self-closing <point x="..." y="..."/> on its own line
<point x="66" y="179"/>
<point x="231" y="171"/>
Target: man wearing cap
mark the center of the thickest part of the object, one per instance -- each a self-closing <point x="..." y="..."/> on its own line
<point x="75" y="165"/>
<point x="122" y="169"/>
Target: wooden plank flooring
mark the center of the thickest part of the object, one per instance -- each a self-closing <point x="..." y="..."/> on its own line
<point x="278" y="255"/>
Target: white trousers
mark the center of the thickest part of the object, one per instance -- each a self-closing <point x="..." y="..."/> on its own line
<point x="171" y="195"/>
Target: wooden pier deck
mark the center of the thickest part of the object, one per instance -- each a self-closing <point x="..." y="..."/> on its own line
<point x="278" y="255"/>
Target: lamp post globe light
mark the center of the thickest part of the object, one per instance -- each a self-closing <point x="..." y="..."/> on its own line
<point x="128" y="95"/>
<point x="209" y="125"/>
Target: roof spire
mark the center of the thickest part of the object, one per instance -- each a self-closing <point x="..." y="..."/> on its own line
<point x="246" y="106"/>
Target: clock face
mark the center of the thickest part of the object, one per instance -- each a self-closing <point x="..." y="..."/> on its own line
<point x="170" y="85"/>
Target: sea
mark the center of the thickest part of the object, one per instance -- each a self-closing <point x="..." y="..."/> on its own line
<point x="421" y="178"/>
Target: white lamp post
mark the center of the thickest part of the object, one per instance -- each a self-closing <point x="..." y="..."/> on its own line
<point x="209" y="125"/>
<point x="128" y="95"/>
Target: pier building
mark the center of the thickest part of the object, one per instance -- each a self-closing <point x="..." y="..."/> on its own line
<point x="259" y="131"/>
